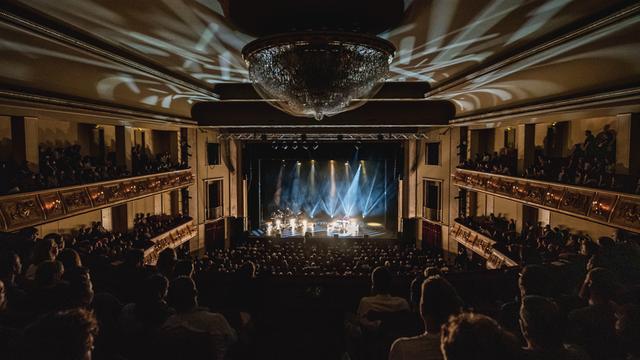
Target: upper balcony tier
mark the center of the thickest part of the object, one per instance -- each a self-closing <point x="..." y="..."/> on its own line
<point x="38" y="207"/>
<point x="616" y="209"/>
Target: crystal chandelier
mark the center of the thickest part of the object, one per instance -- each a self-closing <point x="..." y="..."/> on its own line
<point x="313" y="74"/>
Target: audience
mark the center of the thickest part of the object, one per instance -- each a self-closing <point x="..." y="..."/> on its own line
<point x="503" y="163"/>
<point x="591" y="163"/>
<point x="66" y="166"/>
<point x="154" y="311"/>
<point x="535" y="243"/>
<point x="343" y="258"/>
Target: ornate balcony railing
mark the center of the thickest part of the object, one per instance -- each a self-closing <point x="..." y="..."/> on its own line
<point x="170" y="239"/>
<point x="480" y="245"/>
<point x="620" y="210"/>
<point x="38" y="207"/>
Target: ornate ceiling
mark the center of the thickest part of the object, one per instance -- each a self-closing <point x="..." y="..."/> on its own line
<point x="163" y="56"/>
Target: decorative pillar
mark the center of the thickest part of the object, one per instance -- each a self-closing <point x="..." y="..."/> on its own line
<point x="24" y="141"/>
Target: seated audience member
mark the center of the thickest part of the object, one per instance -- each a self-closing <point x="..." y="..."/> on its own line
<point x="43" y="250"/>
<point x="167" y="262"/>
<point x="4" y="304"/>
<point x="50" y="292"/>
<point x="57" y="239"/>
<point x="183" y="268"/>
<point x="438" y="302"/>
<point x="62" y="335"/>
<point x="471" y="336"/>
<point x="107" y="309"/>
<point x="628" y="331"/>
<point x="593" y="327"/>
<point x="70" y="259"/>
<point x="381" y="300"/>
<point x="183" y="297"/>
<point x="10" y="269"/>
<point x="541" y="326"/>
<point x="533" y="280"/>
<point x="7" y="333"/>
<point x="130" y="274"/>
<point x="80" y="292"/>
<point x="150" y="310"/>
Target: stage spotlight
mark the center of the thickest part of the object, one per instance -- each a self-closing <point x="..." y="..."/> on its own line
<point x="315" y="146"/>
<point x="298" y="163"/>
<point x="285" y="146"/>
<point x="346" y="163"/>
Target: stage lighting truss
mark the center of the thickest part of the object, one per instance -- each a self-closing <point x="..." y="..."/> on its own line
<point x="309" y="140"/>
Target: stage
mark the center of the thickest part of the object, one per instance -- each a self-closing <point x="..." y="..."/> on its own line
<point x="336" y="190"/>
<point x="324" y="229"/>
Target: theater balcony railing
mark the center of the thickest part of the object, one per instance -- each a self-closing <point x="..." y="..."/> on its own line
<point x="173" y="238"/>
<point x="616" y="209"/>
<point x="39" y="207"/>
<point x="481" y="245"/>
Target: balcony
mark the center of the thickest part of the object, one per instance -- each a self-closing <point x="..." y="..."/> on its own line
<point x="170" y="239"/>
<point x="620" y="210"/>
<point x="38" y="207"/>
<point x="480" y="245"/>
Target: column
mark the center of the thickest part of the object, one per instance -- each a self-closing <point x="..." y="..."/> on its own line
<point x="124" y="135"/>
<point x="24" y="141"/>
<point x="120" y="219"/>
<point x="526" y="146"/>
<point x="628" y="144"/>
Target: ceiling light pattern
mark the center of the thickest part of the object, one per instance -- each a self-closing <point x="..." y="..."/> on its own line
<point x="313" y="74"/>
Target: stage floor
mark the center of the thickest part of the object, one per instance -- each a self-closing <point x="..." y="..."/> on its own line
<point x="320" y="231"/>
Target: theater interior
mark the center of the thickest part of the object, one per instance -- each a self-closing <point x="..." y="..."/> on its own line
<point x="321" y="179"/>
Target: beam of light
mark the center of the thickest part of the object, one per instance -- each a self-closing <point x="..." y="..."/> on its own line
<point x="278" y="194"/>
<point x="312" y="177"/>
<point x="321" y="190"/>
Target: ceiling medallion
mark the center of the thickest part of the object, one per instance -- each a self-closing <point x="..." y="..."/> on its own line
<point x="313" y="74"/>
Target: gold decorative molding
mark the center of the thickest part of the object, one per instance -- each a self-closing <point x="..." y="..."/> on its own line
<point x="615" y="209"/>
<point x="38" y="207"/>
<point x="170" y="239"/>
<point x="480" y="245"/>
